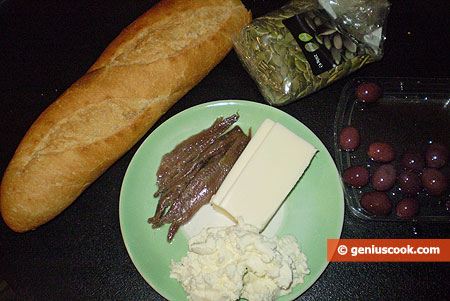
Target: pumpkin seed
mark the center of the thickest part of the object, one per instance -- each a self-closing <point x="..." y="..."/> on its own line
<point x="349" y="55"/>
<point x="327" y="42"/>
<point x="349" y="44"/>
<point x="317" y="21"/>
<point x="337" y="41"/>
<point x="336" y="54"/>
<point x="271" y="55"/>
<point x="319" y="39"/>
<point x="323" y="30"/>
<point x="310" y="23"/>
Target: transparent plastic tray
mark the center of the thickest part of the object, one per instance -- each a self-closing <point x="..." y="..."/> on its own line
<point x="411" y="113"/>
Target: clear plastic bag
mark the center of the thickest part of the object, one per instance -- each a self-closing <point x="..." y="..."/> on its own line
<point x="307" y="44"/>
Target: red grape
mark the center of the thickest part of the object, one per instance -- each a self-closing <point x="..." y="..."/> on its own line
<point x="436" y="155"/>
<point x="409" y="182"/>
<point x="356" y="176"/>
<point x="384" y="177"/>
<point x="434" y="181"/>
<point x="368" y="92"/>
<point x="407" y="207"/>
<point x="381" y="152"/>
<point x="377" y="203"/>
<point x="413" y="160"/>
<point x="349" y="138"/>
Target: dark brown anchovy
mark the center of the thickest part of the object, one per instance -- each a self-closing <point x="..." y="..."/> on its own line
<point x="204" y="185"/>
<point x="182" y="179"/>
<point x="186" y="151"/>
<point x="171" y="195"/>
<point x="223" y="145"/>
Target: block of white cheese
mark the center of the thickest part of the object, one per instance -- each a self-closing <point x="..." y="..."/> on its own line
<point x="243" y="159"/>
<point x="264" y="174"/>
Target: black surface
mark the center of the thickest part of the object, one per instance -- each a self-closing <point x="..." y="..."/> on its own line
<point x="47" y="45"/>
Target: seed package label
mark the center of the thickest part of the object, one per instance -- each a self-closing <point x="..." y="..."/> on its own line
<point x="318" y="56"/>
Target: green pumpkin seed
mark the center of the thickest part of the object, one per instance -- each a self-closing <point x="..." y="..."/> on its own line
<point x="327" y="42"/>
<point x="349" y="44"/>
<point x="300" y="65"/>
<point x="337" y="41"/>
<point x="349" y="55"/>
<point x="273" y="58"/>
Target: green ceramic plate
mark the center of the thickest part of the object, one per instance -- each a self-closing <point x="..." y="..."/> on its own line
<point x="313" y="212"/>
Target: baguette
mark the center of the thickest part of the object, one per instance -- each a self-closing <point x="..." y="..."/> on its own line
<point x="149" y="66"/>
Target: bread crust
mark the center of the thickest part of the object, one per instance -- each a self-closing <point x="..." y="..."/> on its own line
<point x="151" y="64"/>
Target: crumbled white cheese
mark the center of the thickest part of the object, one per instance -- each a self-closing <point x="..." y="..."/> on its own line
<point x="228" y="263"/>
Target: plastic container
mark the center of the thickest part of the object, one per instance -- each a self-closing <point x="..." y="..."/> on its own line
<point x="411" y="113"/>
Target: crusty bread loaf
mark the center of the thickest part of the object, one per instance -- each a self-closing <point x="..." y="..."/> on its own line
<point x="139" y="76"/>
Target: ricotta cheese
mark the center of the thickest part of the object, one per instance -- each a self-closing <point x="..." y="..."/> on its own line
<point x="228" y="263"/>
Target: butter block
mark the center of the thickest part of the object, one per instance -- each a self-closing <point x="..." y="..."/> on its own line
<point x="265" y="173"/>
<point x="242" y="161"/>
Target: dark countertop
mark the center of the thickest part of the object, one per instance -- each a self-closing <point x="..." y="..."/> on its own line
<point x="45" y="46"/>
